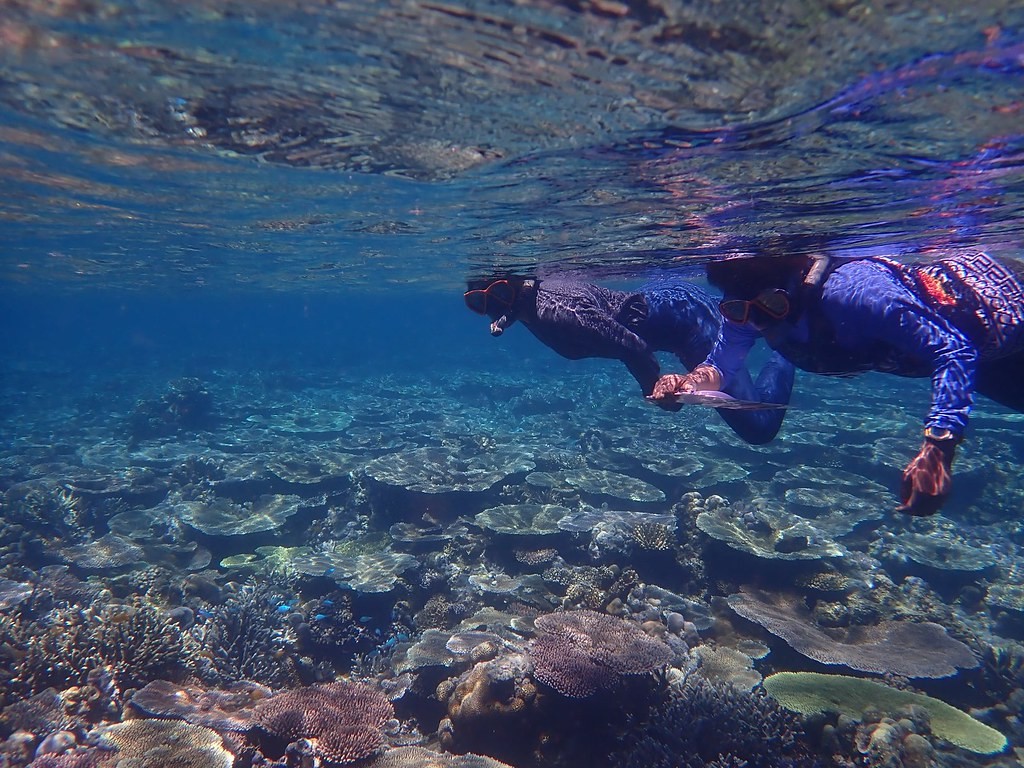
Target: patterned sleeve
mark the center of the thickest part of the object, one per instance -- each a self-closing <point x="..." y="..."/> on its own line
<point x="875" y="307"/>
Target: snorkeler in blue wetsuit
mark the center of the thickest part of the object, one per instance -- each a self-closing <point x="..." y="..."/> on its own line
<point x="958" y="320"/>
<point x="580" y="320"/>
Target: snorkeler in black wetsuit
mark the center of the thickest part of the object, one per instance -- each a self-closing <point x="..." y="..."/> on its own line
<point x="580" y="320"/>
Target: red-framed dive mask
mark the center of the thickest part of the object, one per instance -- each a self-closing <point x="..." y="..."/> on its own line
<point x="499" y="296"/>
<point x="772" y="304"/>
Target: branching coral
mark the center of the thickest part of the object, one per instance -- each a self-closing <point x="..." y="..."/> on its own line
<point x="65" y="648"/>
<point x="241" y="639"/>
<point x="704" y="724"/>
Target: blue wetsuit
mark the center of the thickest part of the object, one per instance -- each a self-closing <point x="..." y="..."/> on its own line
<point x="579" y="320"/>
<point x="959" y="321"/>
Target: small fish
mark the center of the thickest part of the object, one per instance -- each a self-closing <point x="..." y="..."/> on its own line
<point x="320" y="616"/>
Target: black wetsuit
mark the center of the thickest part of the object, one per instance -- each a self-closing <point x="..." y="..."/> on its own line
<point x="579" y="320"/>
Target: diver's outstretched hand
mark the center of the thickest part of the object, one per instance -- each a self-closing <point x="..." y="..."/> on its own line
<point x="928" y="479"/>
<point x="671" y="385"/>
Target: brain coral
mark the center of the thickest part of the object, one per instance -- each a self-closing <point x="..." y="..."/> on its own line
<point x="344" y="721"/>
<point x="581" y="652"/>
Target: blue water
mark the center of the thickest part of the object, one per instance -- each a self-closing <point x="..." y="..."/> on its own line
<point x="282" y="202"/>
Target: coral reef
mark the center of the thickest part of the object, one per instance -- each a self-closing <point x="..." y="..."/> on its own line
<point x="437" y="470"/>
<point x="495" y="696"/>
<point x="910" y="649"/>
<point x="421" y="757"/>
<point x="522" y="519"/>
<point x="603" y="482"/>
<point x="768" y="531"/>
<point x="219" y="516"/>
<point x="67" y="647"/>
<point x="230" y="709"/>
<point x="526" y="588"/>
<point x="143" y="744"/>
<point x="727" y="666"/>
<point x="579" y="653"/>
<point x="241" y="639"/>
<point x="704" y="724"/>
<point x="812" y="692"/>
<point x="158" y="743"/>
<point x="343" y="722"/>
<point x="655" y="536"/>
<point x="185" y="405"/>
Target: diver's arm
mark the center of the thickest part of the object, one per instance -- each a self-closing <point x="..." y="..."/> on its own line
<point x="578" y="320"/>
<point x="927" y="480"/>
<point x="954" y="362"/>
<point x="645" y="370"/>
<point x="729" y="355"/>
<point x="717" y="372"/>
<point x="682" y="318"/>
<point x="774" y="385"/>
<point x="896" y="318"/>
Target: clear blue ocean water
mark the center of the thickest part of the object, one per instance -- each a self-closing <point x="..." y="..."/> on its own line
<point x="234" y="238"/>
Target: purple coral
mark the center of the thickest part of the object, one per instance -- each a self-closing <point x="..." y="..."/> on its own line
<point x="343" y="721"/>
<point x="579" y="653"/>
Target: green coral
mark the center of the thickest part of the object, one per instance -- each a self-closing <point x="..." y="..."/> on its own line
<point x="812" y="692"/>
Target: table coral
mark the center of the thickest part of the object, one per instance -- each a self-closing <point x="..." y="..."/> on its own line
<point x="910" y="649"/>
<point x="343" y="721"/>
<point x="812" y="692"/>
<point x="581" y="652"/>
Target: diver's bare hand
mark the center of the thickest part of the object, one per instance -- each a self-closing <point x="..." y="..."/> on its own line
<point x="701" y="378"/>
<point x="928" y="479"/>
<point x="664" y="393"/>
<point x="669" y="386"/>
